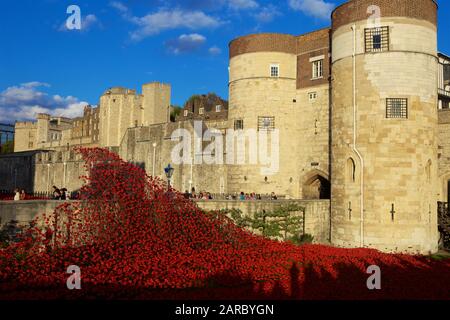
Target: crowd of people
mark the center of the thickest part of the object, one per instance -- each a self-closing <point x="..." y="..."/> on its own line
<point x="57" y="194"/>
<point x="63" y="194"/>
<point x="203" y="195"/>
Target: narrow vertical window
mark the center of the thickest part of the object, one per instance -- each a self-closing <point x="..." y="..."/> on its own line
<point x="317" y="69"/>
<point x="274" y="70"/>
<point x="428" y="171"/>
<point x="351" y="170"/>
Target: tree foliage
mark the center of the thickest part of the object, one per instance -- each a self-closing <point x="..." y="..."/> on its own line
<point x="284" y="222"/>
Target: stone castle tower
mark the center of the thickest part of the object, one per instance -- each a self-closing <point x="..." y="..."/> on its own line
<point x="384" y="125"/>
<point x="123" y="108"/>
<point x="262" y="91"/>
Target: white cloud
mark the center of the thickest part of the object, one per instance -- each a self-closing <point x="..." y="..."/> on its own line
<point x="24" y="101"/>
<point x="267" y="14"/>
<point x="119" y="6"/>
<point x="89" y="21"/>
<point x="166" y="19"/>
<point x="243" y="4"/>
<point x="316" y="8"/>
<point x="215" y="51"/>
<point x="186" y="43"/>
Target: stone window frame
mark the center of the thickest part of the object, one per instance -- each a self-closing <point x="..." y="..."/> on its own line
<point x="201" y="111"/>
<point x="397" y="108"/>
<point x="383" y="44"/>
<point x="317" y="64"/>
<point x="351" y="170"/>
<point x="218" y="108"/>
<point x="274" y="70"/>
<point x="312" y="96"/>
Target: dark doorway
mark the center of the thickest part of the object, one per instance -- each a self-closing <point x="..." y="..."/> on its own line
<point x="317" y="188"/>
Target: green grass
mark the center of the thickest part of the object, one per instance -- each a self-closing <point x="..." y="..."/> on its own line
<point x="440" y="256"/>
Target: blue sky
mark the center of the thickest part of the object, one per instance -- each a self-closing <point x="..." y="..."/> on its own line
<point x="45" y="67"/>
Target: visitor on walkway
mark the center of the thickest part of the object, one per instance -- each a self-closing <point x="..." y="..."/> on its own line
<point x="23" y="195"/>
<point x="56" y="193"/>
<point x="16" y="195"/>
<point x="193" y="195"/>
<point x="242" y="196"/>
<point x="63" y="194"/>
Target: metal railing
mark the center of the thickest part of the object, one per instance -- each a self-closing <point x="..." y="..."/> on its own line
<point x="237" y="197"/>
<point x="444" y="92"/>
<point x="8" y="195"/>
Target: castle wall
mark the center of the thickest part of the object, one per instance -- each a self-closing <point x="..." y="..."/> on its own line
<point x="62" y="169"/>
<point x="444" y="154"/>
<point x="313" y="139"/>
<point x="156" y="103"/>
<point x="137" y="147"/>
<point x="254" y="93"/>
<point x="25" y="136"/>
<point x="316" y="212"/>
<point x="398" y="190"/>
<point x="16" y="171"/>
<point x="118" y="112"/>
<point x="313" y="97"/>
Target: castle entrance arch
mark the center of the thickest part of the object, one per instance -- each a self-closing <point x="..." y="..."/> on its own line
<point x="316" y="186"/>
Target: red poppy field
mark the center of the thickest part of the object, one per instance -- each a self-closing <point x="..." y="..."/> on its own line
<point x="132" y="239"/>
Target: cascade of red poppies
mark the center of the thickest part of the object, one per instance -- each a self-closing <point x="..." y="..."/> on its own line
<point x="130" y="236"/>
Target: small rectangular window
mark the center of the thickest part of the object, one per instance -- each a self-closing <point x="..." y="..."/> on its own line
<point x="218" y="108"/>
<point x="274" y="70"/>
<point x="186" y="113"/>
<point x="266" y="123"/>
<point x="238" y="124"/>
<point x="200" y="111"/>
<point x="376" y="39"/>
<point x="317" y="69"/>
<point x="312" y="96"/>
<point x="397" y="108"/>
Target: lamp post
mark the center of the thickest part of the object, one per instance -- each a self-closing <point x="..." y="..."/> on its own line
<point x="169" y="172"/>
<point x="154" y="159"/>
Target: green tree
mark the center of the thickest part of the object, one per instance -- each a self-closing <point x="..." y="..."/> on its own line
<point x="285" y="222"/>
<point x="176" y="111"/>
<point x="7" y="147"/>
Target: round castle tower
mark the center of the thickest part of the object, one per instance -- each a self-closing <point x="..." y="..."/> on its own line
<point x="384" y="125"/>
<point x="262" y="92"/>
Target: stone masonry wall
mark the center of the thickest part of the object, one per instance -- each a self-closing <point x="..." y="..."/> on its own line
<point x="316" y="212"/>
